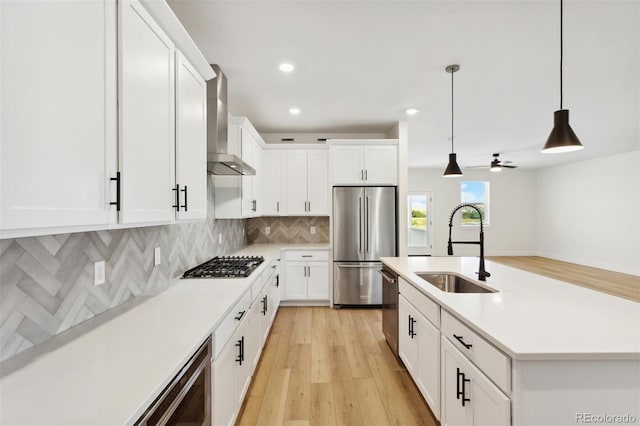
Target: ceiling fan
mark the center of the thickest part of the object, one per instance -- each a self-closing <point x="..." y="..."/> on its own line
<point x="496" y="164"/>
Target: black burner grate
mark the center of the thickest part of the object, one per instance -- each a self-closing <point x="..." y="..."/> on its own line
<point x="225" y="267"/>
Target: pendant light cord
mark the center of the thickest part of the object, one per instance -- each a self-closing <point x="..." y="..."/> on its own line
<point x="561" y="54"/>
<point x="452" y="111"/>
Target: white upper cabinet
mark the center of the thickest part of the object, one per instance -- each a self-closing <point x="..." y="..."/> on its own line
<point x="146" y="112"/>
<point x="272" y="200"/>
<point x="239" y="196"/>
<point x="361" y="164"/>
<point x="58" y="115"/>
<point x="191" y="142"/>
<point x="307" y="186"/>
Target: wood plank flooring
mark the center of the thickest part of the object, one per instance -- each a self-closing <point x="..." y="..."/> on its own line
<point x="615" y="283"/>
<point x="322" y="366"/>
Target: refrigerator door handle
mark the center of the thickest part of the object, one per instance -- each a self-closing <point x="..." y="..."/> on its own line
<point x="366" y="218"/>
<point x="359" y="224"/>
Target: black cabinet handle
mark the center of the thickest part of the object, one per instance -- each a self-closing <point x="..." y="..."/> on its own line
<point x="239" y="346"/>
<point x="117" y="202"/>
<point x="277" y="281"/>
<point x="185" y="198"/>
<point x="461" y="390"/>
<point x="459" y="339"/>
<point x="240" y="315"/>
<point x="264" y="305"/>
<point x="413" y="331"/>
<point x="242" y="353"/>
<point x="177" y="191"/>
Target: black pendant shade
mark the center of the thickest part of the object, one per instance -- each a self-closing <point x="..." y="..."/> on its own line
<point x="562" y="138"/>
<point x="452" y="169"/>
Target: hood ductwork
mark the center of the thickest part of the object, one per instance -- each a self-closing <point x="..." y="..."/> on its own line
<point x="219" y="161"/>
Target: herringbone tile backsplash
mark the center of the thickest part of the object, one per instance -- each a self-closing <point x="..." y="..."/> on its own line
<point x="288" y="229"/>
<point x="46" y="283"/>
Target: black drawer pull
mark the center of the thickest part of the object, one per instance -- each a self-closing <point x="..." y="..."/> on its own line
<point x="461" y="392"/>
<point x="177" y="204"/>
<point x="240" y="315"/>
<point x="459" y="339"/>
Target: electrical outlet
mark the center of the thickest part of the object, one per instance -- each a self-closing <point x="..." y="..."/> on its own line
<point x="99" y="274"/>
<point x="267" y="230"/>
<point x="156" y="256"/>
<point x="219" y="237"/>
<point x="312" y="230"/>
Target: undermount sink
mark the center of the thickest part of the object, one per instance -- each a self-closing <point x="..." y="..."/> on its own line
<point x="452" y="283"/>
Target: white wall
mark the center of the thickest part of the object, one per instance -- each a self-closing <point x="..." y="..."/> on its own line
<point x="513" y="194"/>
<point x="589" y="212"/>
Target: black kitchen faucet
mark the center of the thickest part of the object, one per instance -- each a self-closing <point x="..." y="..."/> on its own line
<point x="482" y="273"/>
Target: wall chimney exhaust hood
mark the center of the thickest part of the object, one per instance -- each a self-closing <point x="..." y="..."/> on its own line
<point x="219" y="161"/>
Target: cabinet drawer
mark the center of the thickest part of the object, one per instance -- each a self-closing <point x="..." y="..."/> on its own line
<point x="426" y="306"/>
<point x="306" y="255"/>
<point x="230" y="323"/>
<point x="489" y="359"/>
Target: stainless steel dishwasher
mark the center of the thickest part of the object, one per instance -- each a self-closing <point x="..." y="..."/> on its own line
<point x="390" y="307"/>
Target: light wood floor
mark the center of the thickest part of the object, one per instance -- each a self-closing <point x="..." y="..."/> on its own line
<point x="323" y="366"/>
<point x="622" y="285"/>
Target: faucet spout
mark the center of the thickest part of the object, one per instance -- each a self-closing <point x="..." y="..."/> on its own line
<point x="482" y="273"/>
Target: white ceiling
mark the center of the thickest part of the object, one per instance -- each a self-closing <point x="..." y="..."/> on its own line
<point x="360" y="64"/>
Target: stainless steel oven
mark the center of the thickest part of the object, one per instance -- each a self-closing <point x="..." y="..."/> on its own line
<point x="187" y="399"/>
<point x="390" y="307"/>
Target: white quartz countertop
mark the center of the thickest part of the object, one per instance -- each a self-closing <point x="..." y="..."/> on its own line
<point x="533" y="317"/>
<point x="107" y="371"/>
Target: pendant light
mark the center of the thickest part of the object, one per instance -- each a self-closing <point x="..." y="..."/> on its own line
<point x="562" y="138"/>
<point x="452" y="170"/>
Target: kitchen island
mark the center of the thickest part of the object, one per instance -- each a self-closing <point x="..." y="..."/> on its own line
<point x="554" y="351"/>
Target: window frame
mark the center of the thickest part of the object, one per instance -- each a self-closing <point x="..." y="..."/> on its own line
<point x="421" y="250"/>
<point x="487" y="204"/>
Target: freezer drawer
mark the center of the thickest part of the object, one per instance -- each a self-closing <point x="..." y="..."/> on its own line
<point x="357" y="283"/>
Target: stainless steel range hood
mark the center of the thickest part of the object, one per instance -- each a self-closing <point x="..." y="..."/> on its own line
<point x="219" y="161"/>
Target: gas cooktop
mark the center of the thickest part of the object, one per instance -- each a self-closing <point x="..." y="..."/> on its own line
<point x="225" y="267"/>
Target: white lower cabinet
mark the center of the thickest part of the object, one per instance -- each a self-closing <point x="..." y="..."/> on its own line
<point x="306" y="280"/>
<point x="419" y="349"/>
<point x="306" y="275"/>
<point x="469" y="397"/>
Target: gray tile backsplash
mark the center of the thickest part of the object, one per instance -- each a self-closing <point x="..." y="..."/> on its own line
<point x="289" y="229"/>
<point x="46" y="283"/>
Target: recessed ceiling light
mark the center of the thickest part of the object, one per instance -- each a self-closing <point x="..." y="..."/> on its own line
<point x="412" y="111"/>
<point x="294" y="111"/>
<point x="286" y="67"/>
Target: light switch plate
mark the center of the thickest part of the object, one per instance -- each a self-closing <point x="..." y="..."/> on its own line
<point x="99" y="273"/>
<point x="157" y="259"/>
<point x="267" y="230"/>
<point x="312" y="230"/>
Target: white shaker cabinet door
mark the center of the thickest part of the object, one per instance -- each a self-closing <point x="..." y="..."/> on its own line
<point x="381" y="165"/>
<point x="318" y="281"/>
<point x="191" y="141"/>
<point x="222" y="395"/>
<point x="296" y="184"/>
<point x="407" y="337"/>
<point x="147" y="138"/>
<point x="318" y="182"/>
<point x="58" y="114"/>
<point x="272" y="177"/>
<point x="428" y="377"/>
<point x="347" y="165"/>
<point x="295" y="281"/>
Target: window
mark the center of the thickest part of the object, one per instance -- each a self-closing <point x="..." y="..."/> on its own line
<point x="419" y="226"/>
<point x="476" y="193"/>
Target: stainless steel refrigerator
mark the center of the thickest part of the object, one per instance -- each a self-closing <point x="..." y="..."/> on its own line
<point x="364" y="230"/>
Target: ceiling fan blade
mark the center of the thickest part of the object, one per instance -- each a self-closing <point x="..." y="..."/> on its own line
<point x="508" y="167"/>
